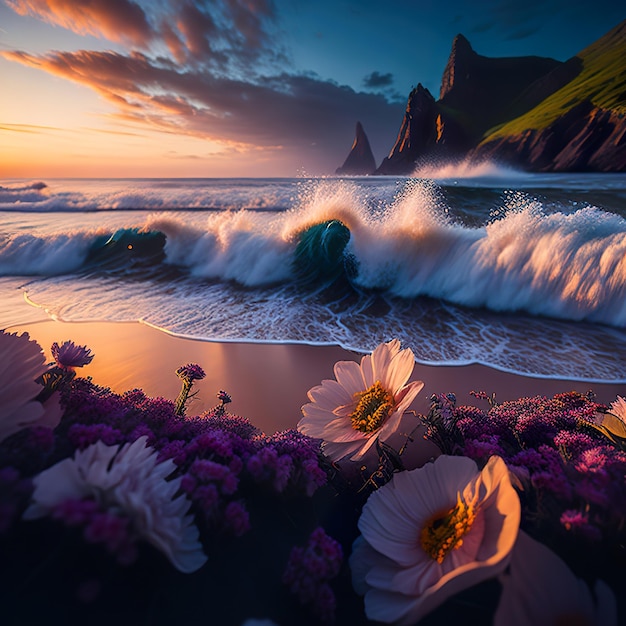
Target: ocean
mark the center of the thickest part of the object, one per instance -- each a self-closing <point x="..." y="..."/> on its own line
<point x="522" y="272"/>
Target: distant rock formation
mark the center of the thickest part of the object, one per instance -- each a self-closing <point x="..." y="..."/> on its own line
<point x="531" y="112"/>
<point x="417" y="136"/>
<point x="360" y="160"/>
<point x="476" y="92"/>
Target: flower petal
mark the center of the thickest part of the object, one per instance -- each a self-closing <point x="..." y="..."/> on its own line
<point x="399" y="370"/>
<point x="383" y="606"/>
<point x="350" y="377"/>
<point x="329" y="394"/>
<point x="542" y="589"/>
<point x="382" y="358"/>
<point x="370" y="441"/>
<point x="407" y="394"/>
<point x="337" y="451"/>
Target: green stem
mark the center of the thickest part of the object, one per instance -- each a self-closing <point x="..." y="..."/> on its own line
<point x="182" y="398"/>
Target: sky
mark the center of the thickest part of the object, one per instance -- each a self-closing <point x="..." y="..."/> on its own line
<point x="242" y="88"/>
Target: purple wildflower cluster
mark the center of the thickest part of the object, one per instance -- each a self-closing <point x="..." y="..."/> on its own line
<point x="232" y="474"/>
<point x="309" y="570"/>
<point x="99" y="526"/>
<point x="288" y="460"/>
<point x="572" y="479"/>
<point x="221" y="457"/>
<point x="224" y="397"/>
<point x="190" y="372"/>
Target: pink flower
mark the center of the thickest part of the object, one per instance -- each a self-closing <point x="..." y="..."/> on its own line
<point x="365" y="402"/>
<point x="129" y="480"/>
<point x="21" y="362"/>
<point x="540" y="589"/>
<point x="68" y="355"/>
<point x="432" y="532"/>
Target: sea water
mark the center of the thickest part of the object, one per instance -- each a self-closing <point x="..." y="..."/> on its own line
<point x="523" y="272"/>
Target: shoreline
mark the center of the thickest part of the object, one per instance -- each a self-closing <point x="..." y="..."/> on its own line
<point x="268" y="382"/>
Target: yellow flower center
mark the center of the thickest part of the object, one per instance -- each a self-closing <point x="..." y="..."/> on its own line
<point x="373" y="407"/>
<point x="444" y="533"/>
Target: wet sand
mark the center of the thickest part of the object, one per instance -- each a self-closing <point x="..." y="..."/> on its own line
<point x="268" y="383"/>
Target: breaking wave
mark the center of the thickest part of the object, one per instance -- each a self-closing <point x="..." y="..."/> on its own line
<point x="563" y="264"/>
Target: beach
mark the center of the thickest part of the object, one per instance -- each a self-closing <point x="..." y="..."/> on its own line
<point x="268" y="382"/>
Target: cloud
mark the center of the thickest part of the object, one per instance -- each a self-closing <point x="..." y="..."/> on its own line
<point x="222" y="35"/>
<point x="211" y="69"/>
<point x="293" y="112"/>
<point x="116" y="20"/>
<point x="376" y="79"/>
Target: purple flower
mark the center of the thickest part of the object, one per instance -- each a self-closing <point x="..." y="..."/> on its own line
<point x="237" y="518"/>
<point x="483" y="448"/>
<point x="223" y="397"/>
<point x="68" y="355"/>
<point x="206" y="496"/>
<point x="83" y="435"/>
<point x="577" y="523"/>
<point x="190" y="372"/>
<point x="309" y="570"/>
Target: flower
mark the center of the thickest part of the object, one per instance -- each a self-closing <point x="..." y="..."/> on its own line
<point x="129" y="479"/>
<point x="541" y="589"/>
<point x="190" y="372"/>
<point x="365" y="401"/>
<point x="432" y="532"/>
<point x="21" y="362"/>
<point x="618" y="408"/>
<point x="224" y="397"/>
<point x="309" y="571"/>
<point x="68" y="355"/>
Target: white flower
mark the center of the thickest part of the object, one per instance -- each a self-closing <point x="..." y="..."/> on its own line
<point x="365" y="401"/>
<point x="612" y="423"/>
<point x="128" y="479"/>
<point x="432" y="532"/>
<point x="618" y="408"/>
<point x="21" y="362"/>
<point x="541" y="590"/>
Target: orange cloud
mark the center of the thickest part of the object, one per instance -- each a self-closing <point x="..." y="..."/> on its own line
<point x="299" y="113"/>
<point x="116" y="20"/>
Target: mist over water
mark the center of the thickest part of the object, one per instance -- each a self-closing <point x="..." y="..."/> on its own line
<point x="514" y="270"/>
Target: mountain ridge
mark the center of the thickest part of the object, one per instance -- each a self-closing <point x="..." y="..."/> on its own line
<point x="530" y="112"/>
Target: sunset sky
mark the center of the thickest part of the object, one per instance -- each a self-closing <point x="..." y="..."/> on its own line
<point x="141" y="88"/>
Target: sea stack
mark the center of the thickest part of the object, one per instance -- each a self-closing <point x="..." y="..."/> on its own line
<point x="360" y="160"/>
<point x="417" y="136"/>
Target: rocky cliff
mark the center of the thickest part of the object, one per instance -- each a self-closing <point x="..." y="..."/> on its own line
<point x="531" y="112"/>
<point x="584" y="139"/>
<point x="485" y="91"/>
<point x="360" y="160"/>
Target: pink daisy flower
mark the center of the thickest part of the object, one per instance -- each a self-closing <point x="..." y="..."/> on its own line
<point x="364" y="403"/>
<point x="432" y="532"/>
